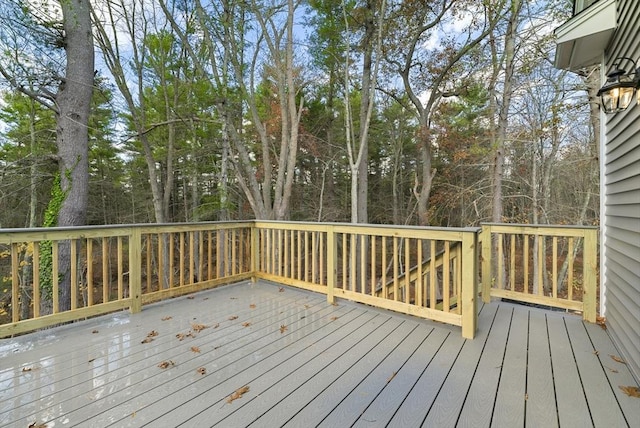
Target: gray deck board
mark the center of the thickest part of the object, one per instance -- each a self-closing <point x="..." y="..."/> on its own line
<point x="446" y="408"/>
<point x="344" y="365"/>
<point x="540" y="407"/>
<point x="572" y="404"/>
<point x="597" y="389"/>
<point x="508" y="410"/>
<point x="478" y="404"/>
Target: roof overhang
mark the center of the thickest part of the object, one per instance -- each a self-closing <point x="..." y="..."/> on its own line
<point x="582" y="40"/>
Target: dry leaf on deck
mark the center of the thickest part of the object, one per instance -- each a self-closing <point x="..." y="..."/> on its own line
<point x="617" y="359"/>
<point x="283" y="328"/>
<point x="238" y="393"/>
<point x="333" y="318"/>
<point x="202" y="370"/>
<point x="233" y="317"/>
<point x="307" y="306"/>
<point x="246" y="324"/>
<point x="167" y="318"/>
<point x="94" y="331"/>
<point x="252" y="306"/>
<point x="152" y="333"/>
<point x="281" y="289"/>
<point x="38" y="425"/>
<point x="195" y="349"/>
<point x="216" y="325"/>
<point x="601" y="321"/>
<point x="190" y="297"/>
<point x="198" y="327"/>
<point x="631" y="391"/>
<point x="27" y="369"/>
<point x="166" y="364"/>
<point x="147" y="340"/>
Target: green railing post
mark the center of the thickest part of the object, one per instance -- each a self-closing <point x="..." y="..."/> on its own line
<point x="469" y="296"/>
<point x="135" y="270"/>
<point x="332" y="255"/>
<point x="590" y="275"/>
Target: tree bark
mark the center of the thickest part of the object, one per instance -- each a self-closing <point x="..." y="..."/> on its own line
<point x="74" y="104"/>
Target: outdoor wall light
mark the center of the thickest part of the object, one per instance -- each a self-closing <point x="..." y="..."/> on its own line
<point x="617" y="93"/>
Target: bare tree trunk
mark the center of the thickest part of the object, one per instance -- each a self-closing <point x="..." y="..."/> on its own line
<point x="74" y="104"/>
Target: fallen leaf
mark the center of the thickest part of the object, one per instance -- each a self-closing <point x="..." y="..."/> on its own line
<point x="246" y="324"/>
<point x="216" y="325"/>
<point x="167" y="318"/>
<point x="147" y="340"/>
<point x="283" y="328"/>
<point x="392" y="376"/>
<point x="252" y="306"/>
<point x="617" y="359"/>
<point x="166" y="364"/>
<point x="27" y="369"/>
<point x="596" y="353"/>
<point x="195" y="349"/>
<point x="198" y="327"/>
<point x="333" y="318"/>
<point x="94" y="331"/>
<point x="38" y="425"/>
<point x="182" y="336"/>
<point x="238" y="393"/>
<point x="281" y="289"/>
<point x="190" y="297"/>
<point x="307" y="306"/>
<point x="631" y="391"/>
<point x="91" y="360"/>
<point x="233" y="317"/>
<point x="601" y="321"/>
<point x="152" y="333"/>
<point x="202" y="370"/>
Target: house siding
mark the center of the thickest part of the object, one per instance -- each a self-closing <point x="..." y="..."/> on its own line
<point x="621" y="203"/>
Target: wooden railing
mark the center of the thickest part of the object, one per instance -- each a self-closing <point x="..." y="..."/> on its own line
<point x="554" y="266"/>
<point x="384" y="266"/>
<point x="55" y="275"/>
<point x="112" y="268"/>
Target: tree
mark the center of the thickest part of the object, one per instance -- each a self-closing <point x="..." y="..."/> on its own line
<point x="70" y="99"/>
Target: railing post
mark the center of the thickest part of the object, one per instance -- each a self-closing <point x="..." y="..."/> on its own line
<point x="485" y="236"/>
<point x="332" y="254"/>
<point x="254" y="252"/>
<point x="135" y="266"/>
<point x="589" y="275"/>
<point x="469" y="284"/>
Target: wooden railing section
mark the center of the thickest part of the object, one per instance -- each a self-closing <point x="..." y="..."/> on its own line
<point x="553" y="266"/>
<point x="112" y="268"/>
<point x="384" y="266"/>
<point x="427" y="272"/>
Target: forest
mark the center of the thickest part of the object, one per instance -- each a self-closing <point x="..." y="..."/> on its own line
<point x="418" y="112"/>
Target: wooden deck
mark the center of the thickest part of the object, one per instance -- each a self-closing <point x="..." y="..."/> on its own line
<point x="307" y="363"/>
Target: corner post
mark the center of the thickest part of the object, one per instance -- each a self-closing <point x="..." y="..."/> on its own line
<point x="332" y="253"/>
<point x="469" y="296"/>
<point x="485" y="236"/>
<point x="255" y="242"/>
<point x="589" y="274"/>
<point x="135" y="272"/>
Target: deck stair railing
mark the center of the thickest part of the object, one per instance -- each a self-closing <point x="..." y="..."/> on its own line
<point x="55" y="275"/>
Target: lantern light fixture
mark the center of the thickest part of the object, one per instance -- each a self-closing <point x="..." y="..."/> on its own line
<point x="619" y="90"/>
